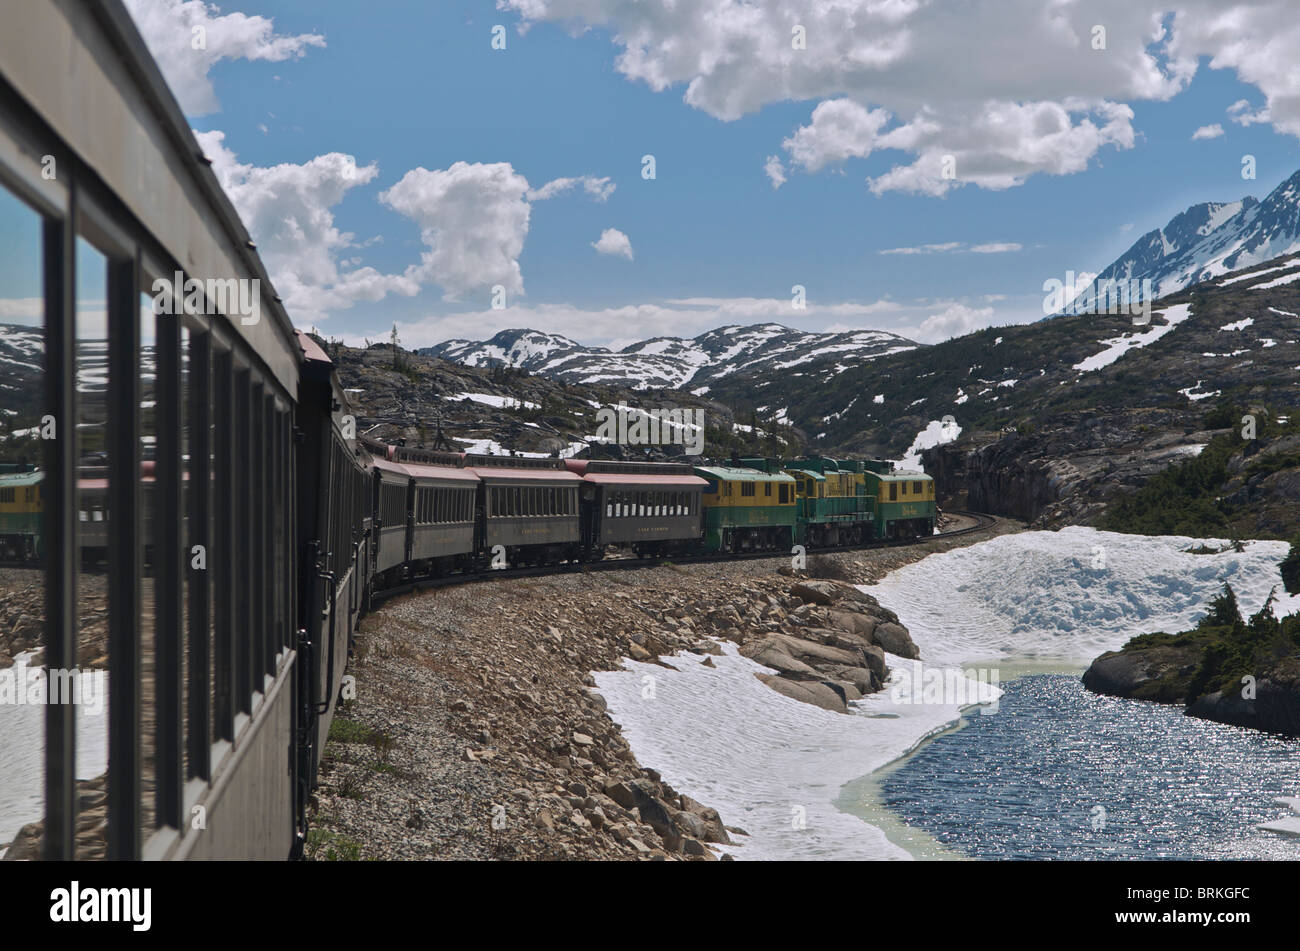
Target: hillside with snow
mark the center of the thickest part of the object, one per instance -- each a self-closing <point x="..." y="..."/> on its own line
<point x="694" y="363"/>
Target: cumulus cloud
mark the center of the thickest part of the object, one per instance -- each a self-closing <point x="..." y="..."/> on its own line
<point x="189" y="37"/>
<point x="953" y="321"/>
<point x="1208" y="132"/>
<point x="613" y="241"/>
<point x="474" y="218"/>
<point x="1003" y="89"/>
<point x="287" y="210"/>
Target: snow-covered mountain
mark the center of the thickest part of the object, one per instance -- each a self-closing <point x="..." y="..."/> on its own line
<point x="675" y="362"/>
<point x="1204" y="242"/>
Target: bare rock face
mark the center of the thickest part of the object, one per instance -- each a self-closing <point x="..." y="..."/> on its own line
<point x="815" y="692"/>
<point x="894" y="639"/>
<point x="831" y="649"/>
<point x="1159" y="673"/>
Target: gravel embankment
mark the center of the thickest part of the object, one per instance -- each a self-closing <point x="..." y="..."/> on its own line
<point x="474" y="733"/>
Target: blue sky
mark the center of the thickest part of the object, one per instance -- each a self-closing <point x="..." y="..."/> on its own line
<point x="400" y="86"/>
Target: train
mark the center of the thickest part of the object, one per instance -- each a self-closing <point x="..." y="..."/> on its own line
<point x="438" y="513"/>
<point x="213" y="541"/>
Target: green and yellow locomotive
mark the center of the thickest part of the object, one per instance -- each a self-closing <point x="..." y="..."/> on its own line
<point x="22" y="501"/>
<point x="747" y="509"/>
<point x="773" y="504"/>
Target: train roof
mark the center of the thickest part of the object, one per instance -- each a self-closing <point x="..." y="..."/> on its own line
<point x="735" y="474"/>
<point x="808" y="473"/>
<point x="584" y="466"/>
<point x="500" y="473"/>
<point x="12" y="479"/>
<point x="647" y="474"/>
<point x="649" y="481"/>
<point x="900" y="475"/>
<point x="416" y="470"/>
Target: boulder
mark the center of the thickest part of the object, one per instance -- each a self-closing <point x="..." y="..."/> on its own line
<point x="815" y="591"/>
<point x="894" y="639"/>
<point x="814" y="692"/>
<point x="769" y="652"/>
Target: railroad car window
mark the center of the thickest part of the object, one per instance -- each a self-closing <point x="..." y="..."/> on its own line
<point x="222" y="553"/>
<point x="916" y="488"/>
<point x="93" y="536"/>
<point x="26" y="528"/>
<point x="152" y="584"/>
<point x="783" y="496"/>
<point x="767" y="489"/>
<point x="747" y="488"/>
<point x="893" y="491"/>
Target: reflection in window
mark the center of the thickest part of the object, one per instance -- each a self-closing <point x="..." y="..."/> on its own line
<point x="92" y="539"/>
<point x="22" y="523"/>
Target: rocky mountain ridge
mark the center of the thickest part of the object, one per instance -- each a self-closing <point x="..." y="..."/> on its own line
<point x="691" y="364"/>
<point x="1207" y="241"/>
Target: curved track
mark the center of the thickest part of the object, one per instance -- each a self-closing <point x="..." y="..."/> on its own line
<point x="982" y="522"/>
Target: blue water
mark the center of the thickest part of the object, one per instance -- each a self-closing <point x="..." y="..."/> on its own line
<point x="1061" y="773"/>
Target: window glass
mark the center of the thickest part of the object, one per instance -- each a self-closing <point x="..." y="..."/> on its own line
<point x="23" y="537"/>
<point x="93" y="522"/>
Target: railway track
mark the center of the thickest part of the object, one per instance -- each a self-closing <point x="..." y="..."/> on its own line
<point x="982" y="522"/>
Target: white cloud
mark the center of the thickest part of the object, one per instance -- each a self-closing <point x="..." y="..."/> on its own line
<point x="953" y="321"/>
<point x="1208" y="132"/>
<point x="22" y="309"/>
<point x="944" y="248"/>
<point x="950" y="247"/>
<point x="1009" y="88"/>
<point x="287" y="210"/>
<point x="598" y="188"/>
<point x="775" y="170"/>
<point x="613" y="241"/>
<point x="473" y="217"/>
<point x="840" y="129"/>
<point x="1242" y="113"/>
<point x="172" y="29"/>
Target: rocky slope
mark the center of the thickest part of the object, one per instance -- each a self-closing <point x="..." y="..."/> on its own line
<point x="501" y="409"/>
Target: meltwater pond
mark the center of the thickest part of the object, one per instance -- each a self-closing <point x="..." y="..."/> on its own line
<point x="1062" y="773"/>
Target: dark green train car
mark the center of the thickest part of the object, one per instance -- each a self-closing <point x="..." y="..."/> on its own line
<point x="747" y="509"/>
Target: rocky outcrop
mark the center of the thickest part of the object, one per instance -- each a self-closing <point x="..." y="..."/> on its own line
<point x="1067" y="470"/>
<point x="1160" y="673"/>
<point x="1165" y="673"/>
<point x="832" y="650"/>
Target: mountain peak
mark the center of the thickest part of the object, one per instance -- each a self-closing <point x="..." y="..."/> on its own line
<point x="1205" y="241"/>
